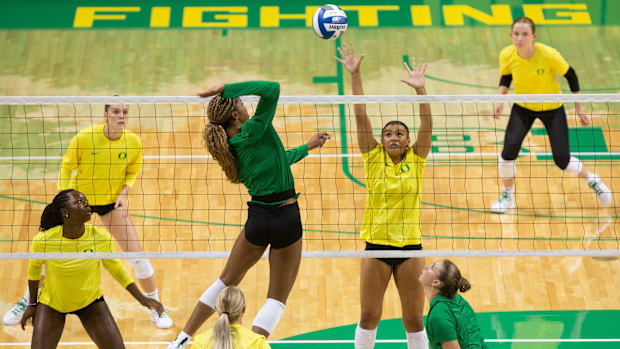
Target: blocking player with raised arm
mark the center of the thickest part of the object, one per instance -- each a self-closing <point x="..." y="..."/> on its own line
<point x="392" y="218"/>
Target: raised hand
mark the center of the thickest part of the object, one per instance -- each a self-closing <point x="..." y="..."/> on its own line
<point x="317" y="140"/>
<point x="212" y="91"/>
<point x="416" y="74"/>
<point x="348" y="60"/>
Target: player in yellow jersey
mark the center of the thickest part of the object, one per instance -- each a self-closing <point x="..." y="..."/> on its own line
<point x="394" y="171"/>
<point x="106" y="159"/>
<point x="73" y="286"/>
<point x="533" y="67"/>
<point x="228" y="331"/>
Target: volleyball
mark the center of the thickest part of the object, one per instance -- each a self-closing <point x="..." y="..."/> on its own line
<point x="329" y="22"/>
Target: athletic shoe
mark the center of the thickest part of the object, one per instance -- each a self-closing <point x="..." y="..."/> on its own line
<point x="505" y="202"/>
<point x="163" y="321"/>
<point x="14" y="316"/>
<point x="178" y="344"/>
<point x="602" y="192"/>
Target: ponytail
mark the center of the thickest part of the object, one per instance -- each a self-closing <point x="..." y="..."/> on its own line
<point x="451" y="280"/>
<point x="51" y="215"/>
<point x="219" y="113"/>
<point x="230" y="304"/>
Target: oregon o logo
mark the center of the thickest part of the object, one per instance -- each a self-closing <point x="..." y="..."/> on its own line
<point x="405" y="168"/>
<point x="122" y="155"/>
<point x="88" y="250"/>
<point x="540" y="71"/>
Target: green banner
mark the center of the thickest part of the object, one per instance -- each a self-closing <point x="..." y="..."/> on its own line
<point x="221" y="14"/>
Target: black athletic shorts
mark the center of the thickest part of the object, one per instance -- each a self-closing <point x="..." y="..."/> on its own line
<point x="103" y="210"/>
<point x="272" y="225"/>
<point x="393" y="262"/>
<point x="77" y="312"/>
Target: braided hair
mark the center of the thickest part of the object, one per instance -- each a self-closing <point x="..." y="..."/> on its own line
<point x="451" y="280"/>
<point x="51" y="215"/>
<point x="219" y="113"/>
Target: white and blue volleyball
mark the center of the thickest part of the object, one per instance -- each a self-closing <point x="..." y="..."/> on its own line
<point x="329" y="22"/>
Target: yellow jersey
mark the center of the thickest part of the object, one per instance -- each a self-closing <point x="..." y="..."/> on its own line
<point x="72" y="284"/>
<point x="243" y="338"/>
<point x="392" y="215"/>
<point x="536" y="75"/>
<point x="103" y="166"/>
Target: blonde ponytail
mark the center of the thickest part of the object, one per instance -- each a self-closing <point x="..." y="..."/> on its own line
<point x="229" y="304"/>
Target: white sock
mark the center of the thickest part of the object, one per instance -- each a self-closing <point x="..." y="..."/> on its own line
<point x="510" y="190"/>
<point x="364" y="339"/>
<point x="183" y="337"/>
<point x="591" y="177"/>
<point x="27" y="294"/>
<point x="153" y="295"/>
<point x="417" y="340"/>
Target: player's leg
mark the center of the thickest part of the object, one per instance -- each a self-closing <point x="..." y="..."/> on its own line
<point x="412" y="301"/>
<point x="374" y="279"/>
<point x="243" y="256"/>
<point x="121" y="227"/>
<point x="48" y="326"/>
<point x="284" y="235"/>
<point x="100" y="325"/>
<point x="519" y="125"/>
<point x="557" y="129"/>
<point x="283" y="268"/>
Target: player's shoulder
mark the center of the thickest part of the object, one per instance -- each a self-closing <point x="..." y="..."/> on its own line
<point x="47" y="235"/>
<point x="545" y="49"/>
<point x="132" y="136"/>
<point x="89" y="131"/>
<point x="97" y="231"/>
<point x="507" y="51"/>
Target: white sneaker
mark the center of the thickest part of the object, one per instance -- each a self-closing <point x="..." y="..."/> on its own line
<point x="602" y="192"/>
<point x="178" y="344"/>
<point x="505" y="202"/>
<point x="14" y="316"/>
<point x="163" y="321"/>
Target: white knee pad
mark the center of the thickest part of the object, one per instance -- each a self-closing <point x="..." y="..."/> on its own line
<point x="209" y="296"/>
<point x="142" y="267"/>
<point x="269" y="315"/>
<point x="575" y="166"/>
<point x="507" y="168"/>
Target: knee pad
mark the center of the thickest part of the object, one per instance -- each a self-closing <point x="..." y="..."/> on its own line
<point x="269" y="315"/>
<point x="575" y="166"/>
<point x="142" y="267"/>
<point x="507" y="168"/>
<point x="210" y="294"/>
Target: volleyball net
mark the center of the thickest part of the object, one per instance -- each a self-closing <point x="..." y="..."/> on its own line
<point x="184" y="207"/>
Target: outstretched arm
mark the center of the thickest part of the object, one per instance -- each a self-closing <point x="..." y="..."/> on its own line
<point x="365" y="140"/>
<point x="422" y="145"/>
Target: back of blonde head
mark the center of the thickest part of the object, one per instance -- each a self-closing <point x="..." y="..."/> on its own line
<point x="229" y="304"/>
<point x="219" y="113"/>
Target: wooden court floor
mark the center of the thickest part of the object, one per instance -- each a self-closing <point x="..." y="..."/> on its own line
<point x="184" y="204"/>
